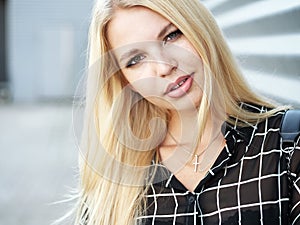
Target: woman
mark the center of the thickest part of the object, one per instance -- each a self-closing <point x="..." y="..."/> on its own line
<point x="172" y="133"/>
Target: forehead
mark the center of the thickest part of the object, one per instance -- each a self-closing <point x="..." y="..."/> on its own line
<point x="136" y="24"/>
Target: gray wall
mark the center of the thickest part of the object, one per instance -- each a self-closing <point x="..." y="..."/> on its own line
<point x="265" y="37"/>
<point x="46" y="47"/>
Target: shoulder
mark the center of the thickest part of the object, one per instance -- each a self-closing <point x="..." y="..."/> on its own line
<point x="273" y="129"/>
<point x="261" y="127"/>
<point x="272" y="120"/>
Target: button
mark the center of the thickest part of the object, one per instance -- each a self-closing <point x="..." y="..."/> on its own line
<point x="191" y="199"/>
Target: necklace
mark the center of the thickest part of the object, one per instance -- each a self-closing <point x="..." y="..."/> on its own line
<point x="196" y="161"/>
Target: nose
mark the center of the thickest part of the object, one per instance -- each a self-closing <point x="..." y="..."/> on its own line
<point x="165" y="65"/>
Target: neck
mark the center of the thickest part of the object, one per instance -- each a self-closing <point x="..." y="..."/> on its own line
<point x="180" y="125"/>
<point x="182" y="135"/>
<point x="184" y="128"/>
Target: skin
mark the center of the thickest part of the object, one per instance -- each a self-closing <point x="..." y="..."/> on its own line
<point x="152" y="54"/>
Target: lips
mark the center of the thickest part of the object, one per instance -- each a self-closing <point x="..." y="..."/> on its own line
<point x="180" y="86"/>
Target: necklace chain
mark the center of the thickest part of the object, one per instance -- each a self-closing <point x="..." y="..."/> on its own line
<point x="196" y="162"/>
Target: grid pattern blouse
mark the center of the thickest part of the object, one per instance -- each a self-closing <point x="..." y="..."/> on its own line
<point x="251" y="183"/>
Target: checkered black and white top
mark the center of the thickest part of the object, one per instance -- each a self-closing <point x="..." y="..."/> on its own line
<point x="251" y="183"/>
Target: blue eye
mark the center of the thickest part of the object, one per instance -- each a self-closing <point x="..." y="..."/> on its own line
<point x="135" y="60"/>
<point x="172" y="36"/>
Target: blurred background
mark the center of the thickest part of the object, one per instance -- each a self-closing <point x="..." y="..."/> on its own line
<point x="42" y="57"/>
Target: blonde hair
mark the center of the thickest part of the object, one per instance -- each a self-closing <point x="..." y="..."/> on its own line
<point x="109" y="193"/>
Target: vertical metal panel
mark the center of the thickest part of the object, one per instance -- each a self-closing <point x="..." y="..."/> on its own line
<point x="28" y="21"/>
<point x="3" y="77"/>
<point x="57" y="45"/>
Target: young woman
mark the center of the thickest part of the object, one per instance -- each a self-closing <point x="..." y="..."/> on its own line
<point x="172" y="133"/>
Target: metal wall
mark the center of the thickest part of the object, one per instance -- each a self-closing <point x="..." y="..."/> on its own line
<point x="265" y="37"/>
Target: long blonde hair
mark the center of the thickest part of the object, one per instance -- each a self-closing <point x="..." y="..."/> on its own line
<point x="111" y="192"/>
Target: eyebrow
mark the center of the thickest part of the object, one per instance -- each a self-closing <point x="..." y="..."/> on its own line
<point x="128" y="54"/>
<point x="164" y="30"/>
<point x="135" y="51"/>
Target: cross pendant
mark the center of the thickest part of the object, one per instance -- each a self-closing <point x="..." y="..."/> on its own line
<point x="196" y="163"/>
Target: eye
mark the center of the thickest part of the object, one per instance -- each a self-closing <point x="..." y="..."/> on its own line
<point x="172" y="36"/>
<point x="135" y="60"/>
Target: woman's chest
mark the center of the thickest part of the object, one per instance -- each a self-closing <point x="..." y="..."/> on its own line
<point x="249" y="190"/>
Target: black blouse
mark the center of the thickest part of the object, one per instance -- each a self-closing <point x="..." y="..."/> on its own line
<point x="251" y="183"/>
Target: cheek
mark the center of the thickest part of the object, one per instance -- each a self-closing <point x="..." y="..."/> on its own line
<point x="138" y="83"/>
<point x="197" y="95"/>
<point x="185" y="44"/>
<point x="129" y="77"/>
<point x="137" y="72"/>
<point x="148" y="86"/>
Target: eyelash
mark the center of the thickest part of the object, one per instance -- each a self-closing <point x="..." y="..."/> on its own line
<point x="170" y="37"/>
<point x="134" y="60"/>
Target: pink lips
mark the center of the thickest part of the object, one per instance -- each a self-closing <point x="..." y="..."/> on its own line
<point x="180" y="87"/>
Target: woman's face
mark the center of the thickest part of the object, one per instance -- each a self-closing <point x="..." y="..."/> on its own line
<point x="156" y="58"/>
